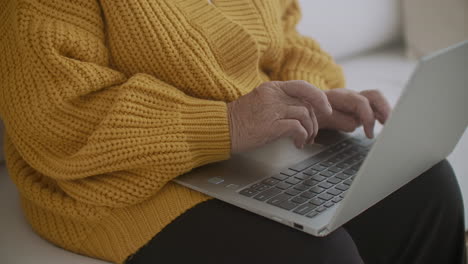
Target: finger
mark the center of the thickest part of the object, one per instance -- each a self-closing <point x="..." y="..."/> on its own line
<point x="307" y="92"/>
<point x="342" y="121"/>
<point x="379" y="104"/>
<point x="316" y="128"/>
<point x="351" y="102"/>
<point x="301" y="114"/>
<point x="290" y="128"/>
<point x="314" y="119"/>
<point x="366" y="115"/>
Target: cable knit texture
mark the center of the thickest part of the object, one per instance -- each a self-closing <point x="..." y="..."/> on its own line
<point x="105" y="102"/>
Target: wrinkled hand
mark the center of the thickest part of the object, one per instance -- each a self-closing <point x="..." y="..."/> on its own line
<point x="274" y="110"/>
<point x="352" y="109"/>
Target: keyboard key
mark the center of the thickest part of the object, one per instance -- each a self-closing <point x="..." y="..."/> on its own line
<point x="318" y="178"/>
<point x="334" y="192"/>
<point x="267" y="194"/>
<point x="334" y="169"/>
<point x="329" y="151"/>
<point x="340" y="156"/>
<point x="301" y="187"/>
<point x="327" y="163"/>
<point x="293" y="181"/>
<point x="316" y="201"/>
<point x="325" y="185"/>
<point x="312" y="214"/>
<point x="342" y="187"/>
<point x="335" y="149"/>
<point x="317" y="189"/>
<point x="311" y="172"/>
<point x="342" y="176"/>
<point x="310" y="182"/>
<point x="354" y="158"/>
<point x="278" y="199"/>
<point x="335" y="159"/>
<point x="283" y="185"/>
<point x="346" y="153"/>
<point x="337" y="199"/>
<point x="329" y="204"/>
<point x="248" y="192"/>
<point x="325" y="196"/>
<point x="299" y="200"/>
<point x="304" y="209"/>
<point x="289" y="172"/>
<point x="334" y="180"/>
<point x="270" y="181"/>
<point x="362" y="154"/>
<point x="327" y="173"/>
<point x="347" y="142"/>
<point x="287" y="205"/>
<point x="348" y="182"/>
<point x="343" y="165"/>
<point x="349" y="171"/>
<point x="280" y="177"/>
<point x="301" y="176"/>
<point x="292" y="192"/>
<point x="260" y="187"/>
<point x="319" y="167"/>
<point x="308" y="194"/>
<point x="351" y="151"/>
<point x="320" y="209"/>
<point x="340" y="146"/>
<point x="306" y="163"/>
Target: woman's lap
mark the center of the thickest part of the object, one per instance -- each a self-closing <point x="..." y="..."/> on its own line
<point x="420" y="223"/>
<point x="216" y="232"/>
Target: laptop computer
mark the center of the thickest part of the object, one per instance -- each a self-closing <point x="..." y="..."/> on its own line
<point x="319" y="188"/>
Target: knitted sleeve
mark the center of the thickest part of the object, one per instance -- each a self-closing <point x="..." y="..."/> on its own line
<point x="107" y="139"/>
<point x="303" y="58"/>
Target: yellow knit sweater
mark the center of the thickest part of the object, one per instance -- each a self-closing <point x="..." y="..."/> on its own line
<point x="106" y="101"/>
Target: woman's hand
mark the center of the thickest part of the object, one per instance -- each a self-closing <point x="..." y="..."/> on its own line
<point x="274" y="110"/>
<point x="352" y="109"/>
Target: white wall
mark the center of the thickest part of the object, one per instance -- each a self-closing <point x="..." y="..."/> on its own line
<point x="346" y="27"/>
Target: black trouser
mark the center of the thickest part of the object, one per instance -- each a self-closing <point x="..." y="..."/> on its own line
<point x="422" y="222"/>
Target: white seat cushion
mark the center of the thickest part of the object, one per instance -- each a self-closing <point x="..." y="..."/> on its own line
<point x="18" y="242"/>
<point x="386" y="70"/>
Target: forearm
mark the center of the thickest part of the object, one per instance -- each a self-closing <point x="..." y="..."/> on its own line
<point x="80" y="122"/>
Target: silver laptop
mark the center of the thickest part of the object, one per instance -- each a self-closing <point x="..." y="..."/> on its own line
<point x="319" y="188"/>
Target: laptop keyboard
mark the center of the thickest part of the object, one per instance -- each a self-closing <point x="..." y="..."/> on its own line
<point x="312" y="186"/>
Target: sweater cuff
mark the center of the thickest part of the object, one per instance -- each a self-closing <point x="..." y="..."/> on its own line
<point x="206" y="128"/>
<point x="316" y="68"/>
<point x="315" y="80"/>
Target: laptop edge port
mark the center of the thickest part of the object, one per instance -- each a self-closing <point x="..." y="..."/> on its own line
<point x="298" y="226"/>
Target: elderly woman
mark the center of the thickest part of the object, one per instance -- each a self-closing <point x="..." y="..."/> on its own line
<point x="106" y="101"/>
